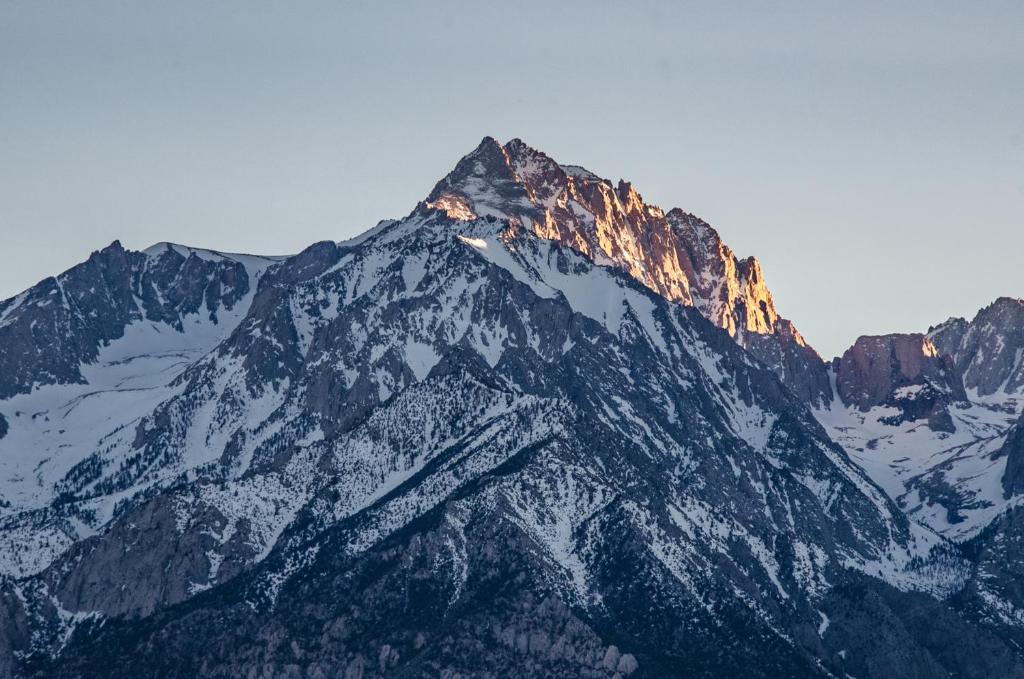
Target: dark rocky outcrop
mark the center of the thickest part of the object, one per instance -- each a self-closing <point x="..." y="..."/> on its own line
<point x="993" y="597"/>
<point x="904" y="371"/>
<point x="882" y="632"/>
<point x="49" y="331"/>
<point x="1013" y="450"/>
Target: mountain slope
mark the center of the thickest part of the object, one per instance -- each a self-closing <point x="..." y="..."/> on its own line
<point x="96" y="349"/>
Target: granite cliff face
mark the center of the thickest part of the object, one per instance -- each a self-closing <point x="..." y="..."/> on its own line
<point x="535" y="428"/>
<point x="675" y="254"/>
<point x="905" y="372"/>
<point x="909" y="419"/>
<point x="935" y="421"/>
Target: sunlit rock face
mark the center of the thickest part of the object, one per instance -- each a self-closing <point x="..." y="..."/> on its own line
<point x="988" y="350"/>
<point x="676" y="254"/>
<point x="905" y="371"/>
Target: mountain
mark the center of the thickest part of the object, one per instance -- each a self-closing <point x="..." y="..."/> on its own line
<point x="50" y="331"/>
<point x="537" y="427"/>
<point x="928" y="415"/>
<point x="85" y="356"/>
<point x="675" y="254"/>
<point x="936" y="420"/>
<point x="989" y="349"/>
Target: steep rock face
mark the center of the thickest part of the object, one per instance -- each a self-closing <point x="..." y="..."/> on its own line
<point x="946" y="336"/>
<point x="1013" y="451"/>
<point x="676" y="254"/>
<point x="903" y="371"/>
<point x="958" y="473"/>
<point x="963" y="473"/>
<point x="797" y="365"/>
<point x="989" y="350"/>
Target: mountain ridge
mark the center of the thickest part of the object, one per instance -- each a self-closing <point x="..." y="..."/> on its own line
<point x="457" y="445"/>
<point x="676" y="254"/>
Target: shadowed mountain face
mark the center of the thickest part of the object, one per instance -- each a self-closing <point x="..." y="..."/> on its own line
<point x="989" y="350"/>
<point x="522" y="432"/>
<point x="48" y="332"/>
<point x="905" y="372"/>
<point x="1013" y="450"/>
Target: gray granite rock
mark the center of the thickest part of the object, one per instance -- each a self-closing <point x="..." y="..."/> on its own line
<point x="905" y="371"/>
<point x="989" y="350"/>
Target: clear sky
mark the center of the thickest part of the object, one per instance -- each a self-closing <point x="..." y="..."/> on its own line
<point x="871" y="155"/>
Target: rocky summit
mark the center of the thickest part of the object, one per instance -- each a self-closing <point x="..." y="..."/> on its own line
<point x="538" y="427"/>
<point x="905" y="372"/>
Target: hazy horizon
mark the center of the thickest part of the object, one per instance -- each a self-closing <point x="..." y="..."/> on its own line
<point x="871" y="157"/>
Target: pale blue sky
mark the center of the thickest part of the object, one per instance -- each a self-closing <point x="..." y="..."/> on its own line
<point x="872" y="156"/>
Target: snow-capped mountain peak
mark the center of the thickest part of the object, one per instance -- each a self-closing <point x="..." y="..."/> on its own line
<point x="675" y="254"/>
